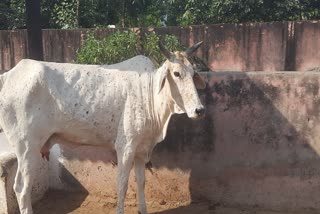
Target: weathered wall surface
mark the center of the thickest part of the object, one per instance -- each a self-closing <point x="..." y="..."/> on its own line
<point x="306" y="39"/>
<point x="13" y="48"/>
<point x="275" y="46"/>
<point x="62" y="45"/>
<point x="258" y="145"/>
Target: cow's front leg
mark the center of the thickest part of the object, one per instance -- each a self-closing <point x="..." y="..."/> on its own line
<point x="139" y="165"/>
<point x="125" y="161"/>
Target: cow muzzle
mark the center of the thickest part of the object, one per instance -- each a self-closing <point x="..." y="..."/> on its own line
<point x="198" y="112"/>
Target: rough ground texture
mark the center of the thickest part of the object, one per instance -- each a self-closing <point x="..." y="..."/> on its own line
<point x="58" y="202"/>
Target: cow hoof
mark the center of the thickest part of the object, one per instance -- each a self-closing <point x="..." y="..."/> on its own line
<point x="149" y="167"/>
<point x="114" y="163"/>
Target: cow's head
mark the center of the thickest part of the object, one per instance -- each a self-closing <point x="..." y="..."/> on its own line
<point x="181" y="80"/>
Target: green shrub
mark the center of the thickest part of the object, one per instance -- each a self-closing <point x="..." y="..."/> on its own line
<point x="120" y="46"/>
<point x="90" y="53"/>
<point x="115" y="48"/>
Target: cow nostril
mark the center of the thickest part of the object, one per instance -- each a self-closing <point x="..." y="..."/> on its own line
<point x="200" y="111"/>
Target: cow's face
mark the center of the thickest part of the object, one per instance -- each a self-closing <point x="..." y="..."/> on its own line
<point x="182" y="82"/>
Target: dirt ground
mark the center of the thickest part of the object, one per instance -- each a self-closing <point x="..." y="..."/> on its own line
<point x="58" y="202"/>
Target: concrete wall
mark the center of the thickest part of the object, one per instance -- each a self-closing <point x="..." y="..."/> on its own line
<point x="275" y="46"/>
<point x="258" y="146"/>
<point x="13" y="48"/>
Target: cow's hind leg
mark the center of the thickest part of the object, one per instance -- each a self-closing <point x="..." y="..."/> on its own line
<point x="139" y="165"/>
<point x="28" y="163"/>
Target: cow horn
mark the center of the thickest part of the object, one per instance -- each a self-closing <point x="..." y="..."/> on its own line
<point x="165" y="51"/>
<point x="192" y="49"/>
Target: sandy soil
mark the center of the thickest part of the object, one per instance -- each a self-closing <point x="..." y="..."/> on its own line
<point x="58" y="202"/>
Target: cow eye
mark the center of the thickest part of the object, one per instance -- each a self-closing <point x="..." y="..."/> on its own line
<point x="177" y="74"/>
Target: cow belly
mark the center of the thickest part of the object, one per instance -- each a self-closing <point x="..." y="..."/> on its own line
<point x="88" y="134"/>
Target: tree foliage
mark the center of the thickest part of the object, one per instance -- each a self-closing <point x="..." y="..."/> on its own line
<point x="144" y="13"/>
<point x="235" y="11"/>
<point x="5" y="14"/>
<point x="12" y="14"/>
<point x="120" y="46"/>
<point x="64" y="14"/>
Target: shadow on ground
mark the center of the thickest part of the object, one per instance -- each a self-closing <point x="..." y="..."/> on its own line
<point x="59" y="202"/>
<point x="62" y="202"/>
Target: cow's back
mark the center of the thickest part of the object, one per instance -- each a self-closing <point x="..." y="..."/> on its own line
<point x="83" y="102"/>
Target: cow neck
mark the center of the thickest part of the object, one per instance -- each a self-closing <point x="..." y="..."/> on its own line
<point x="163" y="104"/>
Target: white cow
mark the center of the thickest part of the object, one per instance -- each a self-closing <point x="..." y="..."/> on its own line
<point x="124" y="106"/>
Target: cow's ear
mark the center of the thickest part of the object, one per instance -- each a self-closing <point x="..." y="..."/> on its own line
<point x="162" y="79"/>
<point x="199" y="81"/>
